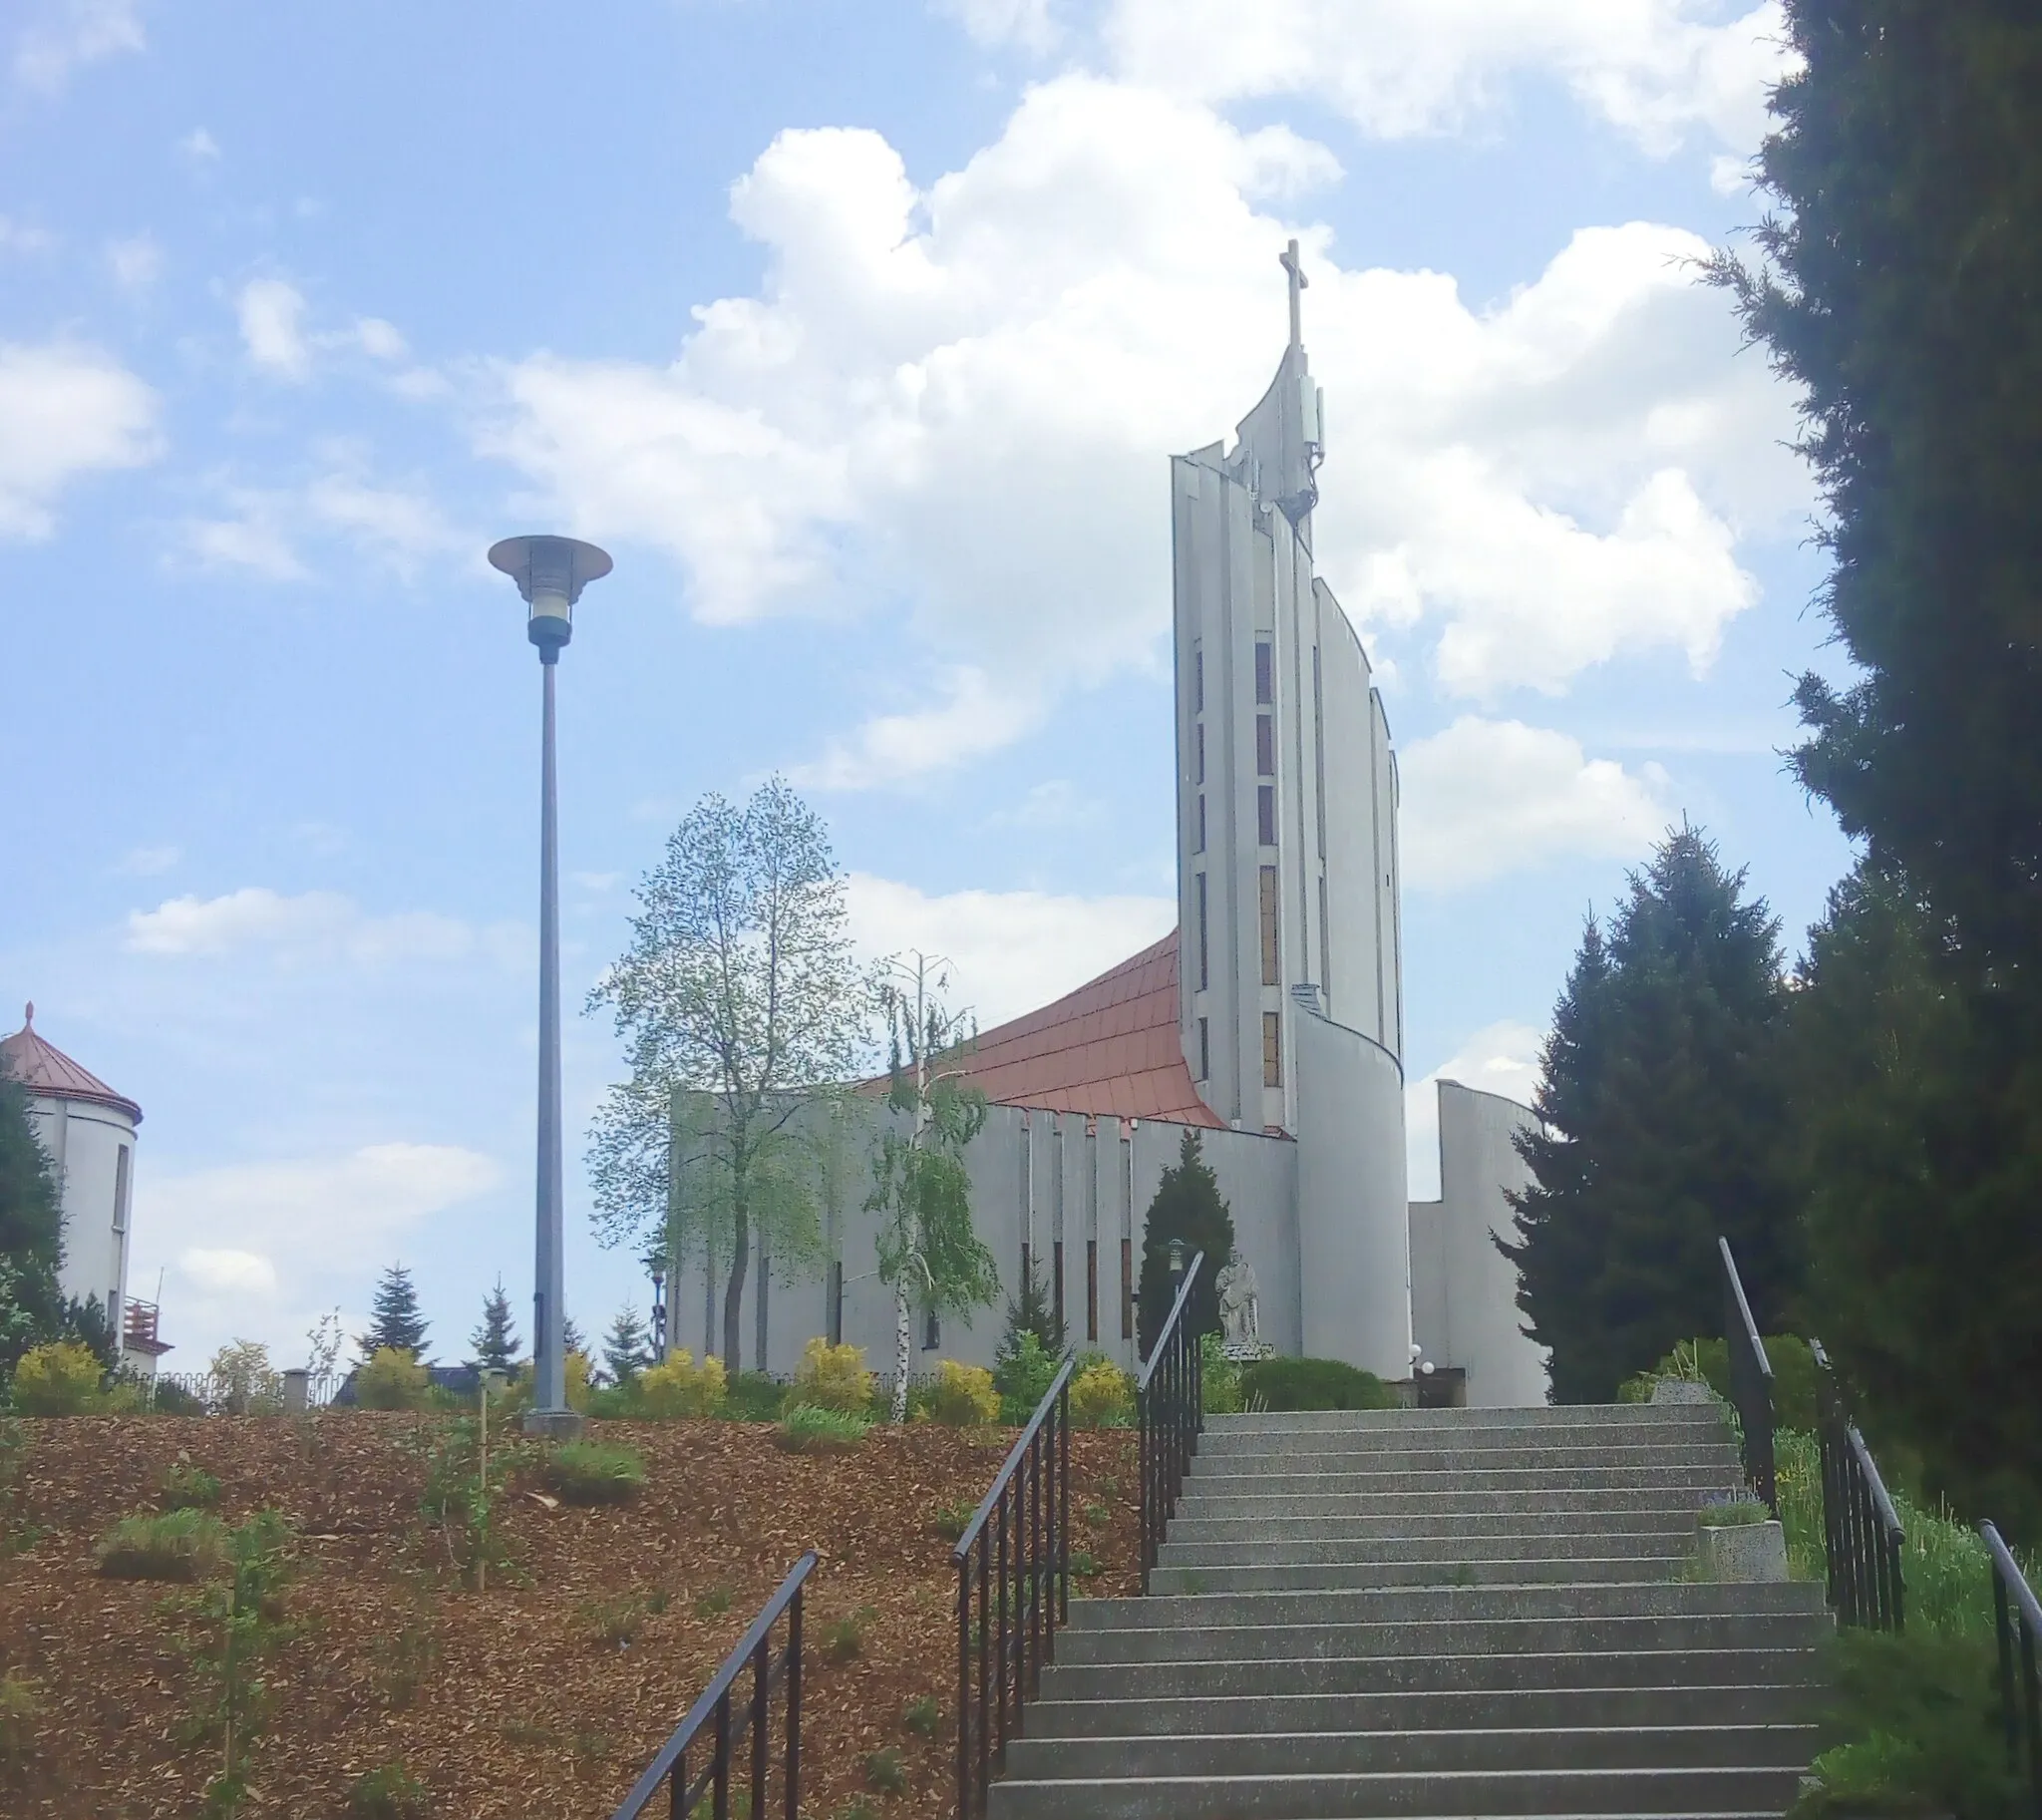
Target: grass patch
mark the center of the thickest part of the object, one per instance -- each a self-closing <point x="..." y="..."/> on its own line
<point x="844" y="1639"/>
<point x="808" y="1428"/>
<point x="389" y="1793"/>
<point x="179" y="1545"/>
<point x="923" y="1716"/>
<point x="1731" y="1513"/>
<point x="615" y="1623"/>
<point x="950" y="1519"/>
<point x="886" y="1771"/>
<point x="594" y="1472"/>
<point x="21" y="1706"/>
<point x="713" y="1603"/>
<point x="189" y="1487"/>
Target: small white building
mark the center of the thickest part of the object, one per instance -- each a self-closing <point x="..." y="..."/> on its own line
<point x="88" y="1131"/>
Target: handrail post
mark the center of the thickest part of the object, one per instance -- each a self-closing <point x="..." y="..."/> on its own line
<point x="1751" y="1382"/>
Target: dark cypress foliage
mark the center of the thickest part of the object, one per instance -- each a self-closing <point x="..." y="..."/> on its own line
<point x="1663" y="1125"/>
<point x="1189" y="1207"/>
<point x="31" y="1233"/>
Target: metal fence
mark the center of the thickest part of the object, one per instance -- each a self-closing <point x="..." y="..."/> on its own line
<point x="1861" y="1532"/>
<point x="2018" y="1620"/>
<point x="1170" y="1409"/>
<point x="232" y="1394"/>
<point x="1751" y="1383"/>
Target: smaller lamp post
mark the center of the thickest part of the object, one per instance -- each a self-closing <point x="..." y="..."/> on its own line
<point x="658" y="1314"/>
<point x="1177" y="1267"/>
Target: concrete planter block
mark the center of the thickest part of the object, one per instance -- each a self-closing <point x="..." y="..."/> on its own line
<point x="1680" y="1390"/>
<point x="1742" y="1552"/>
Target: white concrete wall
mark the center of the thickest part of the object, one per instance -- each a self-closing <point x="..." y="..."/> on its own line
<point x="1464" y="1289"/>
<point x="85" y="1140"/>
<point x="1354" y="1258"/>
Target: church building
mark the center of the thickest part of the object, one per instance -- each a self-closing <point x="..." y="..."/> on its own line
<point x="1271" y="1019"/>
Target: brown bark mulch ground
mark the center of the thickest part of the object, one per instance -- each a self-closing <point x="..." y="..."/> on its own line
<point x="508" y="1702"/>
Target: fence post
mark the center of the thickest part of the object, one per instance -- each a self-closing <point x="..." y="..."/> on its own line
<point x="297" y="1383"/>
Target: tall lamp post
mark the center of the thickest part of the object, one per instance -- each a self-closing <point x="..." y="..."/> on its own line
<point x="551" y="573"/>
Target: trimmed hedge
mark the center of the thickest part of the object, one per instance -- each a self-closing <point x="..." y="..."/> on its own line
<point x="1283" y="1384"/>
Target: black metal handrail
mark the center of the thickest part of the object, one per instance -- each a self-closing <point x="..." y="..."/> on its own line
<point x="1014" y="1571"/>
<point x="1861" y="1534"/>
<point x="1170" y="1409"/>
<point x="730" y="1728"/>
<point x="1751" y="1383"/>
<point x="2017" y="1618"/>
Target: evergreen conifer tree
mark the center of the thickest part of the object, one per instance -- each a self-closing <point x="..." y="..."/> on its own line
<point x="1188" y="1207"/>
<point x="570" y="1337"/>
<point x="31" y="1233"/>
<point x="496" y="1340"/>
<point x="1662" y="1125"/>
<point x="1034" y="1310"/>
<point x="394" y="1317"/>
<point x="627" y="1348"/>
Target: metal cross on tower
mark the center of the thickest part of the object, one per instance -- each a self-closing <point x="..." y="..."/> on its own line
<point x="1298" y="283"/>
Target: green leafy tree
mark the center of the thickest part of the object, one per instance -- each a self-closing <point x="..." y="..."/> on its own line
<point x="32" y="1305"/>
<point x="496" y="1340"/>
<point x="627" y="1347"/>
<point x="395" y="1321"/>
<point x="929" y="1251"/>
<point x="1190" y="1208"/>
<point x="1896" y="286"/>
<point x="740" y="1004"/>
<point x="1662" y="1124"/>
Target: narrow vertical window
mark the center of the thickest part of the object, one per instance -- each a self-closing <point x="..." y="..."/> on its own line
<point x="1265" y="745"/>
<point x="1265" y="672"/>
<point x="834" y="1326"/>
<point x="1057" y="1273"/>
<point x="1092" y="1288"/>
<point x="1266" y="814"/>
<point x="1272" y="1049"/>
<point x="1205" y="977"/>
<point x="1202" y="752"/>
<point x="1026" y="1261"/>
<point x="121" y="1188"/>
<point x="1270" y="974"/>
<point x="1204" y="1049"/>
<point x="1201" y="822"/>
<point x="1199" y="678"/>
<point x="1127" y="1288"/>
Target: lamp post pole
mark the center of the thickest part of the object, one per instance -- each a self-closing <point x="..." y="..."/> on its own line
<point x="551" y="573"/>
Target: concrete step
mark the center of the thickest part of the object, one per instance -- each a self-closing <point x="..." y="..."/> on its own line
<point x="1361" y="1453"/>
<point x="1564" y="1435"/>
<point x="1449" y="1502"/>
<point x="1687" y="1666"/>
<point x="1360" y="1481"/>
<point x="1291" y="1639"/>
<point x="1684" y="1792"/>
<point x="1563" y="1415"/>
<point x="1249" y="1548"/>
<point x="1232" y="1575"/>
<point x="1327" y="1753"/>
<point x="1207" y="1613"/>
<point x="1590" y="1527"/>
<point x="1470" y="1710"/>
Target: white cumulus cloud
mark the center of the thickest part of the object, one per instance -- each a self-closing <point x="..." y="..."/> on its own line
<point x="272" y="313"/>
<point x="66" y="34"/>
<point x="1484" y="798"/>
<point x="313" y="925"/>
<point x="66" y="410"/>
<point x="960" y="397"/>
<point x="1010" y="952"/>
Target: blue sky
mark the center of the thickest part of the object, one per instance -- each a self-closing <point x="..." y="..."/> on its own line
<point x="860" y="335"/>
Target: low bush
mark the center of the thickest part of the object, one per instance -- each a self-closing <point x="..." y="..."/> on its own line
<point x="754" y="1398"/>
<point x="393" y="1379"/>
<point x="61" y="1378"/>
<point x="1280" y="1384"/>
<point x="834" y="1377"/>
<point x="189" y="1487"/>
<point x="1707" y="1361"/>
<point x="808" y="1429"/>
<point x="1023" y="1370"/>
<point x="180" y="1544"/>
<point x="677" y="1387"/>
<point x="1218" y="1378"/>
<point x="389" y="1793"/>
<point x="964" y="1396"/>
<point x="1102" y="1395"/>
<point x="594" y="1472"/>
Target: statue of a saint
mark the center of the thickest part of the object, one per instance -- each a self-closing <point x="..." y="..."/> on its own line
<point x="1241" y="1314"/>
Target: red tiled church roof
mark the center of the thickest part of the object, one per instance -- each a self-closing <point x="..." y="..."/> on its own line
<point x="1109" y="1049"/>
<point x="45" y="1069"/>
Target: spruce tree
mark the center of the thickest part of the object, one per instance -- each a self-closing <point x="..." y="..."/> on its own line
<point x="570" y="1337"/>
<point x="394" y="1319"/>
<point x="31" y="1233"/>
<point x="1034" y="1310"/>
<point x="496" y="1340"/>
<point x="627" y="1348"/>
<point x="1188" y="1207"/>
<point x="1663" y="1125"/>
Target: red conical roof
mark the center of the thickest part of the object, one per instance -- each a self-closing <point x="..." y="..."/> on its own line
<point x="44" y="1069"/>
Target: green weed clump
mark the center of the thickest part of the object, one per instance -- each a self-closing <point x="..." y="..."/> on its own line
<point x="189" y="1487"/>
<point x="713" y="1603"/>
<point x="923" y="1716"/>
<point x="844" y="1639"/>
<point x="886" y="1771"/>
<point x="1731" y="1513"/>
<point x="179" y="1545"/>
<point x="594" y="1472"/>
<point x="754" y="1398"/>
<point x="950" y="1521"/>
<point x="21" y="1706"/>
<point x="389" y="1793"/>
<point x="807" y="1428"/>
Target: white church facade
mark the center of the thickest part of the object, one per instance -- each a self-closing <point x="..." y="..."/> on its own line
<point x="1271" y="1019"/>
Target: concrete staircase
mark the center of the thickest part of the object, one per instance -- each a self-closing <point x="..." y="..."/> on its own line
<point x="1461" y="1611"/>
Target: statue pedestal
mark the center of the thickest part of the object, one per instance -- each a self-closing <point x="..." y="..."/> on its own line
<point x="1246" y="1351"/>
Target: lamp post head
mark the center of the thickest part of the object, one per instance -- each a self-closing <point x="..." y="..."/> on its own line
<point x="551" y="573"/>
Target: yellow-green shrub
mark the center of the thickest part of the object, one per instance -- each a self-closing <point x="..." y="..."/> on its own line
<point x="517" y="1395"/>
<point x="677" y="1387"/>
<point x="964" y="1395"/>
<point x="1102" y="1395"/>
<point x="834" y="1377"/>
<point x="61" y="1378"/>
<point x="393" y="1379"/>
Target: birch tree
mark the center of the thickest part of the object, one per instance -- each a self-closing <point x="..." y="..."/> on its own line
<point x="739" y="992"/>
<point x="928" y="1250"/>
